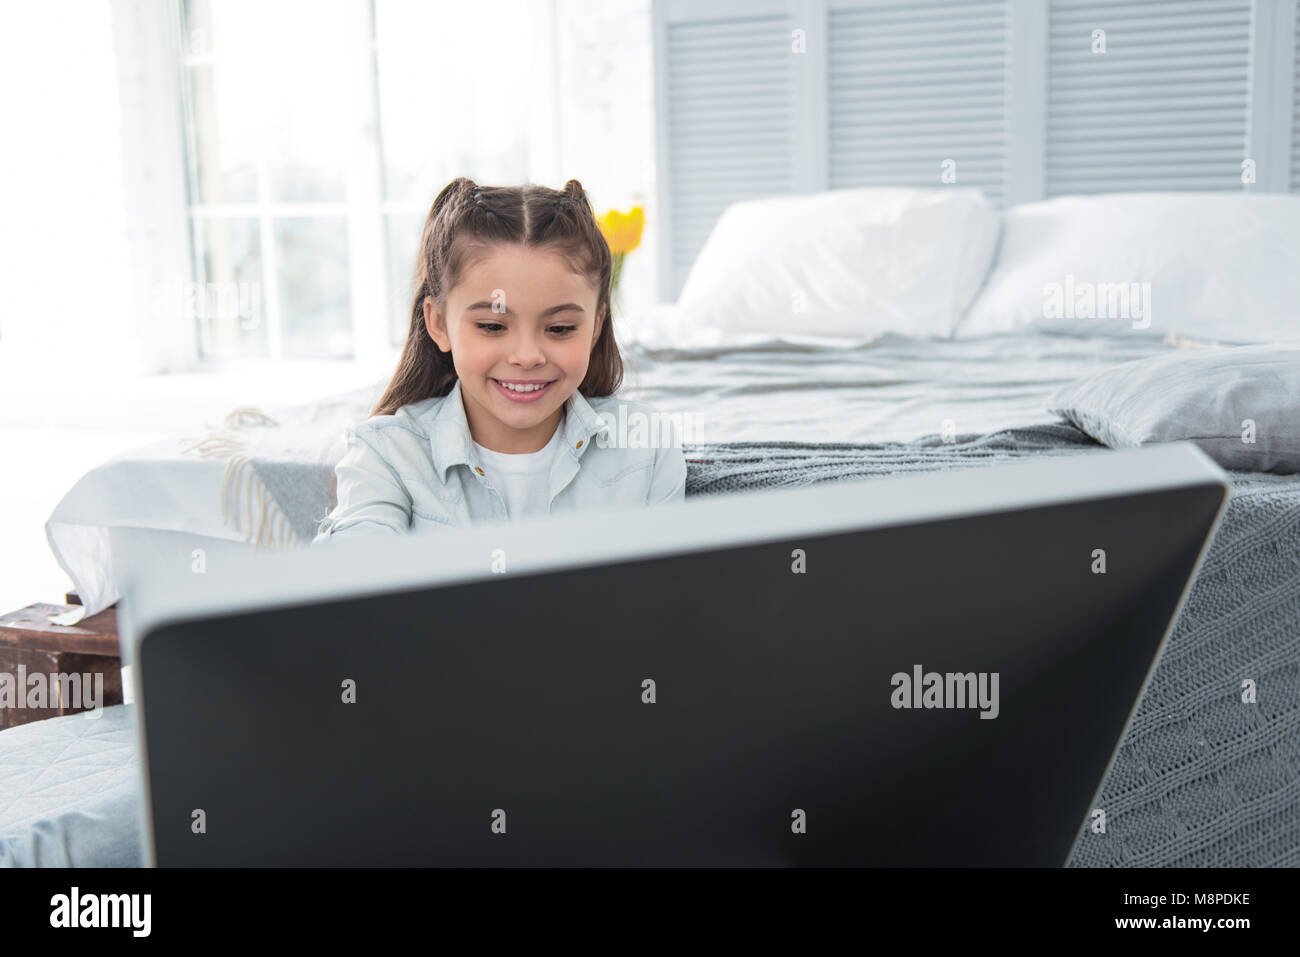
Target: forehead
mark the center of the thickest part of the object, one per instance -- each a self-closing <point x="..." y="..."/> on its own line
<point x="527" y="275"/>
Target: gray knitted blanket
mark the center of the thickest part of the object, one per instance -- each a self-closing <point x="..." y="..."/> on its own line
<point x="1200" y="780"/>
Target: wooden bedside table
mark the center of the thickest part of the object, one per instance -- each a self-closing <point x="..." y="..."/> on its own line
<point x="31" y="645"/>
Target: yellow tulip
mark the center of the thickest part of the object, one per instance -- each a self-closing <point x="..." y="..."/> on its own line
<point x="622" y="230"/>
<point x="623" y="233"/>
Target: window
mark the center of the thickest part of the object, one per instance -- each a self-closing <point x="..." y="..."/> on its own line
<point x="318" y="134"/>
<point x="272" y="170"/>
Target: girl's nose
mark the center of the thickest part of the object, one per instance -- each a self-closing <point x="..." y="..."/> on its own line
<point x="526" y="349"/>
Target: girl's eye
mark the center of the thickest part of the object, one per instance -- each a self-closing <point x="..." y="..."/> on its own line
<point x="491" y="327"/>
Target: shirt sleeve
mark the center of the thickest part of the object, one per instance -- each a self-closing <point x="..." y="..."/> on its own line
<point x="668" y="483"/>
<point x="372" y="499"/>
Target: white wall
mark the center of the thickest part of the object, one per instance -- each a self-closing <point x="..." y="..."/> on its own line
<point x="64" y="262"/>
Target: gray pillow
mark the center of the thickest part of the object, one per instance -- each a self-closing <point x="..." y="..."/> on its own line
<point x="1240" y="404"/>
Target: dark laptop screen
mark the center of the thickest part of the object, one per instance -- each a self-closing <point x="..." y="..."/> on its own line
<point x="942" y="693"/>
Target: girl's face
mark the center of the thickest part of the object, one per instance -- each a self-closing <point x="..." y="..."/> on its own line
<point x="517" y="318"/>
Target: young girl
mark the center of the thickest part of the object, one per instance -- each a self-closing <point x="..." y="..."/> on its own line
<point x="501" y="405"/>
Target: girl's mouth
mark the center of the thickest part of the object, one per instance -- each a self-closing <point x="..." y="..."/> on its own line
<point x="523" y="390"/>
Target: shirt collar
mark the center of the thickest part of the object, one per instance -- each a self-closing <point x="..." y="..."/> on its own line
<point x="449" y="435"/>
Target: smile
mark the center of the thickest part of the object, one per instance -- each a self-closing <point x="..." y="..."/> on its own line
<point x="522" y="391"/>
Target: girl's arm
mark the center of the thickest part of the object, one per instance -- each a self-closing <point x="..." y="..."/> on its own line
<point x="668" y="483"/>
<point x="371" y="497"/>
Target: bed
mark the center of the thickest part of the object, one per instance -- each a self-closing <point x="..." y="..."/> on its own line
<point x="1202" y="777"/>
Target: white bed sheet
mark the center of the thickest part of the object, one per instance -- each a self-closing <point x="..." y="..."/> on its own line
<point x="894" y="389"/>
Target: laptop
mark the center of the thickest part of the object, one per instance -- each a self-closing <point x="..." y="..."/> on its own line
<point x="926" y="670"/>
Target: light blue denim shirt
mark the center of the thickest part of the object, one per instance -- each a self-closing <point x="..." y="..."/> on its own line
<point x="418" y="470"/>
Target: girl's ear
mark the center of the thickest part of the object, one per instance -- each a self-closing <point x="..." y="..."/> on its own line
<point x="600" y="324"/>
<point x="436" y="326"/>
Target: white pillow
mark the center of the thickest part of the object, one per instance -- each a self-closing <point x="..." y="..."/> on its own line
<point x="1216" y="266"/>
<point x="853" y="263"/>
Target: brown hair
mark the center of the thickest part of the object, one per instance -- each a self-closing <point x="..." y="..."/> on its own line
<point x="464" y="221"/>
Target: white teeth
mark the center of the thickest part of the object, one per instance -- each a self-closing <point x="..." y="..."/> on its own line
<point x="523" y="388"/>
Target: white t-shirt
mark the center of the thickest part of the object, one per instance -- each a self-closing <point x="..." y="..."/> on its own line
<point x="522" y="478"/>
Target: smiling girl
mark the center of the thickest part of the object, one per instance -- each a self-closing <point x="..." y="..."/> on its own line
<point x="502" y="398"/>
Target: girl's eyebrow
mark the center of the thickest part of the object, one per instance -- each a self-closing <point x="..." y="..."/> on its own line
<point x="563" y="307"/>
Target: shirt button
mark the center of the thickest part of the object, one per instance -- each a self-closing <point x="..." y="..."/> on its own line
<point x="579" y="445"/>
<point x="478" y="470"/>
